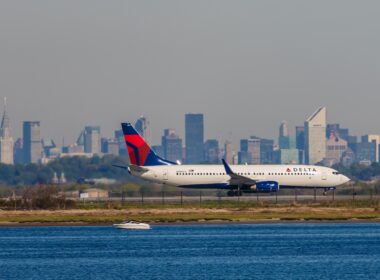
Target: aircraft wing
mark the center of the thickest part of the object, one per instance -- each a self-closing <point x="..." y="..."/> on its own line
<point x="137" y="168"/>
<point x="236" y="179"/>
<point x="131" y="167"/>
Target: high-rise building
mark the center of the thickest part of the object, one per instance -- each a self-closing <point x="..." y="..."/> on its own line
<point x="250" y="151"/>
<point x="365" y="152"/>
<point x="300" y="143"/>
<point x="266" y="151"/>
<point x="300" y="137"/>
<point x="6" y="140"/>
<point x="119" y="135"/>
<point x="194" y="137"/>
<point x="315" y="137"/>
<point x="109" y="146"/>
<point x="143" y="128"/>
<point x="32" y="145"/>
<point x="283" y="138"/>
<point x="337" y="130"/>
<point x="228" y="154"/>
<point x="335" y="148"/>
<point x="172" y="145"/>
<point x="288" y="156"/>
<point x="211" y="148"/>
<point x="373" y="138"/>
<point x="18" y="151"/>
<point x="92" y="139"/>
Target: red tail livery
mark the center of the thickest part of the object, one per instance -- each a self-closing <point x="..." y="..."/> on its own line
<point x="139" y="151"/>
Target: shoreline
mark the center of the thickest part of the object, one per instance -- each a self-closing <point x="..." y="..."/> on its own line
<point x="191" y="223"/>
<point x="188" y="216"/>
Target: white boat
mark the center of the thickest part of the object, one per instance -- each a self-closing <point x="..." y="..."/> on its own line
<point x="132" y="225"/>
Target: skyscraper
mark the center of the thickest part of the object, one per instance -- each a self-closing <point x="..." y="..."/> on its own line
<point x="335" y="148"/>
<point x="283" y="138"/>
<point x="194" y="137"/>
<point x="92" y="139"/>
<point x="6" y="140"/>
<point x="32" y="145"/>
<point x="300" y="138"/>
<point x="143" y="128"/>
<point x="211" y="148"/>
<point x="300" y="143"/>
<point x="266" y="151"/>
<point x="250" y="150"/>
<point x="228" y="154"/>
<point x="315" y="137"/>
<point x="373" y="138"/>
<point x="337" y="130"/>
<point x="172" y="145"/>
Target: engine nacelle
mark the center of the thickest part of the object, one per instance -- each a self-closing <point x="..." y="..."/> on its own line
<point x="266" y="186"/>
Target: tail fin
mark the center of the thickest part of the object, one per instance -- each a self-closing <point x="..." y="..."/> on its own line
<point x="139" y="151"/>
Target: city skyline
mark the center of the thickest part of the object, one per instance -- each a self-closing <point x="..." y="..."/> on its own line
<point x="245" y="65"/>
<point x="156" y="136"/>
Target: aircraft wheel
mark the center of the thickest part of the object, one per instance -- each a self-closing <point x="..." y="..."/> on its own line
<point x="324" y="193"/>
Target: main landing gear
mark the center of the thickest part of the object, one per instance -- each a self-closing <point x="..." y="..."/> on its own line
<point x="234" y="193"/>
<point x="328" y="189"/>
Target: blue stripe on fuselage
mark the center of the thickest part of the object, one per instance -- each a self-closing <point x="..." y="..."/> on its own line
<point x="207" y="186"/>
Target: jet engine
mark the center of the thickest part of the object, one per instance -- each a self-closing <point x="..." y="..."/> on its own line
<point x="265" y="186"/>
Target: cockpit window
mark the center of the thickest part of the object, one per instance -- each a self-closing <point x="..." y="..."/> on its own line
<point x="336" y="173"/>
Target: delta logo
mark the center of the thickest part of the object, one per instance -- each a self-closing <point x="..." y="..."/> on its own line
<point x="302" y="169"/>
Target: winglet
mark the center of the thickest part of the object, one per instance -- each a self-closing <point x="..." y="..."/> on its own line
<point x="227" y="167"/>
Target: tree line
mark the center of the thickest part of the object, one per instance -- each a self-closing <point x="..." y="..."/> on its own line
<point x="74" y="168"/>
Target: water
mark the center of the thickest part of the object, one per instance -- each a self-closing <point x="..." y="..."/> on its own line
<point x="275" y="251"/>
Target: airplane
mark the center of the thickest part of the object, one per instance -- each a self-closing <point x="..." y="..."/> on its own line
<point x="236" y="179"/>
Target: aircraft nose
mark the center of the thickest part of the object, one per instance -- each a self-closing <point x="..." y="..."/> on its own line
<point x="344" y="179"/>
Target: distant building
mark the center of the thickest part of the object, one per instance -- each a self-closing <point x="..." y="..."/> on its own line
<point x="300" y="143"/>
<point x="110" y="146"/>
<point x="228" y="153"/>
<point x="373" y="138"/>
<point x="211" y="148"/>
<point x="18" y="151"/>
<point x="6" y="140"/>
<point x="32" y="145"/>
<point x="172" y="145"/>
<point x="283" y="138"/>
<point x="315" y="137"/>
<point x="300" y="137"/>
<point x="73" y="149"/>
<point x="50" y="149"/>
<point x="91" y="137"/>
<point x="289" y="156"/>
<point x="365" y="152"/>
<point x="250" y="152"/>
<point x="194" y="137"/>
<point x="337" y="130"/>
<point x="142" y="126"/>
<point x="93" y="193"/>
<point x="348" y="158"/>
<point x="119" y="135"/>
<point x="335" y="148"/>
<point x="266" y="151"/>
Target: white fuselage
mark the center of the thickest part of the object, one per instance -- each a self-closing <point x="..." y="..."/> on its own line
<point x="214" y="176"/>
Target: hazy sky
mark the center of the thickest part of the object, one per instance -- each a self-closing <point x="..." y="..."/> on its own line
<point x="247" y="65"/>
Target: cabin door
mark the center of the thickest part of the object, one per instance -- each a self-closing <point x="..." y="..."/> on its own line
<point x="324" y="175"/>
<point x="165" y="175"/>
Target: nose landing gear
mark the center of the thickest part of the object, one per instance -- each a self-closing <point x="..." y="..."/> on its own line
<point x="328" y="189"/>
